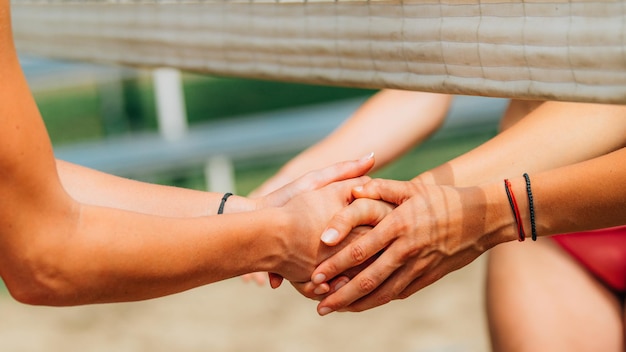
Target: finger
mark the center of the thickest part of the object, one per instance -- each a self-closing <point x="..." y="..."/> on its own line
<point x="405" y="281"/>
<point x="318" y="292"/>
<point x="359" y="212"/>
<point x="437" y="270"/>
<point x="399" y="285"/>
<point x="352" y="255"/>
<point x="361" y="285"/>
<point x="338" y="283"/>
<point x="391" y="191"/>
<point x="321" y="289"/>
<point x="310" y="290"/>
<point x="275" y="280"/>
<point x="337" y="172"/>
<point x="319" y="178"/>
<point x="259" y="278"/>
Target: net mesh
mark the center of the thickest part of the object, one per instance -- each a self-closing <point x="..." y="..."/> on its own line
<point x="554" y="50"/>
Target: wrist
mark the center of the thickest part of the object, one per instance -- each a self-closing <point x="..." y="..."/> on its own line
<point x="237" y="204"/>
<point x="291" y="252"/>
<point x="499" y="221"/>
<point x="521" y="220"/>
<point x="275" y="240"/>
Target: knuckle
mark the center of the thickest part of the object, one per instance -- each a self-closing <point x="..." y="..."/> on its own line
<point x="404" y="295"/>
<point x="313" y="179"/>
<point x="376" y="182"/>
<point x="342" y="218"/>
<point x="366" y="285"/>
<point x="383" y="299"/>
<point x="402" y="224"/>
<point x="404" y="255"/>
<point x="358" y="253"/>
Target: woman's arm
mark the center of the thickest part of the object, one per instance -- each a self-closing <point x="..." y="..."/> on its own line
<point x="586" y="196"/>
<point x="439" y="229"/>
<point x="582" y="196"/>
<point x="389" y="124"/>
<point x="93" y="187"/>
<point x="57" y="250"/>
<point x="554" y="134"/>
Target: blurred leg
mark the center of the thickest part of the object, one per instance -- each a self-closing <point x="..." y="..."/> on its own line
<point x="540" y="299"/>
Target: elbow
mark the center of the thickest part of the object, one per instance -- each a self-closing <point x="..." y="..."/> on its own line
<point x="33" y="292"/>
<point x="40" y="292"/>
<point x="39" y="264"/>
<point x="27" y="293"/>
<point x="42" y="282"/>
<point x="38" y="261"/>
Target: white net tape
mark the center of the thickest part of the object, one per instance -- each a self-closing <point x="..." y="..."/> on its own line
<point x="556" y="50"/>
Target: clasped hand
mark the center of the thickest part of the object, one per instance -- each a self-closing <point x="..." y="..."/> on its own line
<point x="415" y="234"/>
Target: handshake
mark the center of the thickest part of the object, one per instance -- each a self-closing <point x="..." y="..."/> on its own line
<point x="354" y="243"/>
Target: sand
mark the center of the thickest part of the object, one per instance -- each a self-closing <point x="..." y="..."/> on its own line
<point x="236" y="316"/>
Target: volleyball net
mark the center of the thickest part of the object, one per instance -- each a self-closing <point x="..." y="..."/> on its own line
<point x="548" y="50"/>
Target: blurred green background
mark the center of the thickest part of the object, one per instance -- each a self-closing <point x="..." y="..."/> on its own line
<point x="80" y="113"/>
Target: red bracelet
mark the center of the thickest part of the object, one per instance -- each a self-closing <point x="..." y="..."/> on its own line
<point x="515" y="209"/>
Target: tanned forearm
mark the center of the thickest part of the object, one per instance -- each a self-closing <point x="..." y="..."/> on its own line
<point x="97" y="188"/>
<point x="585" y="196"/>
<point x="563" y="147"/>
<point x="554" y="135"/>
<point x="108" y="256"/>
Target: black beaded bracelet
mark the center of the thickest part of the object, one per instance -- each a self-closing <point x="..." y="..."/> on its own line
<point x="531" y="207"/>
<point x="224" y="199"/>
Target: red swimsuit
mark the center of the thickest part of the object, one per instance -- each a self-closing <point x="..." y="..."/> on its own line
<point x="602" y="252"/>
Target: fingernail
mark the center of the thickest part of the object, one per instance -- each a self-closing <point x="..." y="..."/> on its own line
<point x="320" y="290"/>
<point x="319" y="278"/>
<point x="340" y="284"/>
<point x="330" y="235"/>
<point x="358" y="188"/>
<point x="324" y="310"/>
<point x="368" y="156"/>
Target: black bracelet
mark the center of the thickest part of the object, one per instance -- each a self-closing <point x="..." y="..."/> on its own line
<point x="531" y="207"/>
<point x="224" y="198"/>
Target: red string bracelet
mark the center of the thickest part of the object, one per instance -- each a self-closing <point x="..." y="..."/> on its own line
<point x="515" y="209"/>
